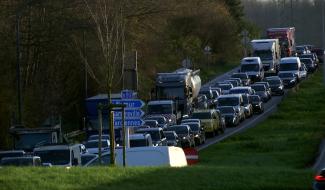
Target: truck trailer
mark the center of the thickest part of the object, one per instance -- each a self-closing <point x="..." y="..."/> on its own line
<point x="286" y="38"/>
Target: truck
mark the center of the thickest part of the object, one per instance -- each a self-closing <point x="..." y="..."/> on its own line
<point x="270" y="53"/>
<point x="28" y="138"/>
<point x="182" y="86"/>
<point x="286" y="38"/>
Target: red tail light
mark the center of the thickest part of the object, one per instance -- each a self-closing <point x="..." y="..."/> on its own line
<point x="319" y="178"/>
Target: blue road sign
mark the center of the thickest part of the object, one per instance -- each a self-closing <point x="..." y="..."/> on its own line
<point x="130" y="103"/>
<point x="128" y="122"/>
<point x="132" y="113"/>
<point x="127" y="94"/>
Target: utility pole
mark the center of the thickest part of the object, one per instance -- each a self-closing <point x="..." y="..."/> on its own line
<point x="18" y="72"/>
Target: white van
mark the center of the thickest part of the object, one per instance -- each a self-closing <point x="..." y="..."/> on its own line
<point x="146" y="156"/>
<point x="291" y="65"/>
<point x="253" y="67"/>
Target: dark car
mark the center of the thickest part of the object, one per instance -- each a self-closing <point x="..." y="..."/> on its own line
<point x="261" y="90"/>
<point x="184" y="134"/>
<point x="157" y="135"/>
<point x="320" y="54"/>
<point x="231" y="116"/>
<point x="310" y="64"/>
<point x="319" y="183"/>
<point x="198" y="132"/>
<point x="267" y="85"/>
<point x="301" y="50"/>
<point x="244" y="77"/>
<point x="312" y="56"/>
<point x="257" y="103"/>
<point x="172" y="138"/>
<point x="276" y="85"/>
<point x="289" y="79"/>
<point x="162" y="121"/>
<point x="151" y="123"/>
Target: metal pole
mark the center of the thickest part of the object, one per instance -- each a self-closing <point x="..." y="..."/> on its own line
<point x="84" y="54"/>
<point x="124" y="137"/>
<point x="112" y="135"/>
<point x="19" y="98"/>
<point x="291" y="12"/>
<point x="100" y="130"/>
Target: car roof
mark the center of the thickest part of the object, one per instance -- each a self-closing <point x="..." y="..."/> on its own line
<point x="289" y="59"/>
<point x="138" y="136"/>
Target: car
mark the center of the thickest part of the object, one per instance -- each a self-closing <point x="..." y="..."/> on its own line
<point x="219" y="90"/>
<point x="184" y="121"/>
<point x="248" y="108"/>
<point x="301" y="50"/>
<point x="244" y="77"/>
<point x="151" y="123"/>
<point x="162" y="121"/>
<point x="209" y="94"/>
<point x="261" y="90"/>
<point x="303" y="71"/>
<point x="312" y="56"/>
<point x="290" y="65"/>
<point x="140" y="140"/>
<point x="21" y="161"/>
<point x="235" y="100"/>
<point x="289" y="79"/>
<point x="157" y="135"/>
<point x="310" y="64"/>
<point x="267" y="85"/>
<point x="319" y="180"/>
<point x="12" y="153"/>
<point x="234" y="83"/>
<point x="210" y="121"/>
<point x="257" y="103"/>
<point x="240" y="82"/>
<point x="85" y="158"/>
<point x="242" y="90"/>
<point x="92" y="146"/>
<point x="198" y="132"/>
<point x="320" y="54"/>
<point x="184" y="134"/>
<point x="225" y="87"/>
<point x="96" y="137"/>
<point x="231" y="116"/>
<point x="172" y="138"/>
<point x="276" y="85"/>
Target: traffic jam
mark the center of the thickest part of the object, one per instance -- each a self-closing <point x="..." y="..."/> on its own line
<point x="181" y="116"/>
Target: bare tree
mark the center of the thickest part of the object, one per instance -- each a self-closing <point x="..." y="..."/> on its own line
<point x="108" y="17"/>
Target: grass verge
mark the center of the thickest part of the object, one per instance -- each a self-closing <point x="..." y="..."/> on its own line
<point x="276" y="154"/>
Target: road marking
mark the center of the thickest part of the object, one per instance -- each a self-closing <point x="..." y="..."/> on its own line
<point x="237" y="130"/>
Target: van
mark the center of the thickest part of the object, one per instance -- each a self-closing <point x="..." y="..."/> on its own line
<point x="253" y="67"/>
<point x="291" y="65"/>
<point x="210" y="121"/>
<point x="146" y="156"/>
<point x="59" y="154"/>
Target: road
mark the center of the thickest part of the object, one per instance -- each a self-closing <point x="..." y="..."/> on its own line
<point x="269" y="108"/>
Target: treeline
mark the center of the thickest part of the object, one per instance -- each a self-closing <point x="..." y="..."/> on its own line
<point x="58" y="40"/>
<point x="305" y="15"/>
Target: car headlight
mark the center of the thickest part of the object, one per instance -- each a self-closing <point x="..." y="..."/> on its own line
<point x="184" y="138"/>
<point x="292" y="81"/>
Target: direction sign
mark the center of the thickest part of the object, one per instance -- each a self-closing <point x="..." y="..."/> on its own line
<point x="128" y="122"/>
<point x="127" y="94"/>
<point x="130" y="103"/>
<point x="132" y="113"/>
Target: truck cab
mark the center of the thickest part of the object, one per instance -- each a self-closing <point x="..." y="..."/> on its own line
<point x="166" y="108"/>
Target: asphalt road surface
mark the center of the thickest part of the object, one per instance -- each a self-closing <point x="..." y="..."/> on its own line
<point x="269" y="108"/>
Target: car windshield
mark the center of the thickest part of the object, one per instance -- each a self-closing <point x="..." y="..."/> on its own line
<point x="171" y="92"/>
<point x="226" y="110"/>
<point x="288" y="66"/>
<point x="286" y="75"/>
<point x="249" y="67"/>
<point x="17" y="162"/>
<point x="170" y="136"/>
<point x="240" y="75"/>
<point x="274" y="82"/>
<point x="194" y="126"/>
<point x="94" y="144"/>
<point x="228" y="101"/>
<point x="201" y="115"/>
<point x="300" y="48"/>
<point x="263" y="54"/>
<point x="258" y="87"/>
<point x="138" y="142"/>
<point x="306" y="61"/>
<point x="86" y="158"/>
<point x="238" y="91"/>
<point x="55" y="157"/>
<point x="29" y="141"/>
<point x="254" y="99"/>
<point x="160" y="109"/>
<point x="180" y="130"/>
<point x="225" y="87"/>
